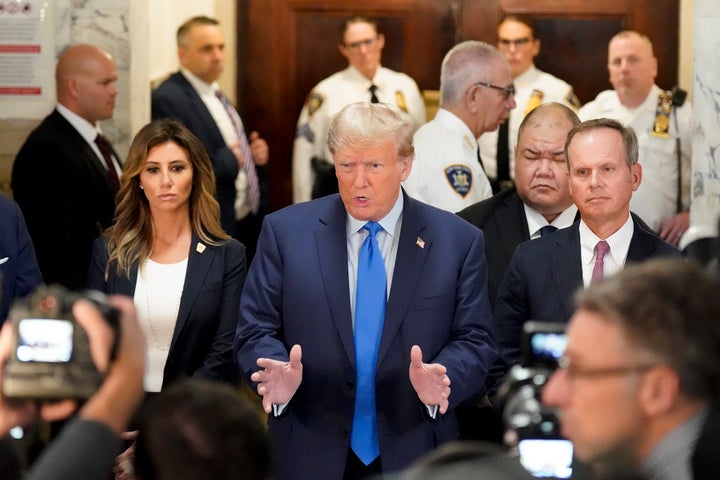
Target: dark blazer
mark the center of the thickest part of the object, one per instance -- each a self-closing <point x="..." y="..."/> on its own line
<point x="297" y="293"/>
<point x="705" y="459"/>
<point x="504" y="225"/>
<point x="19" y="271"/>
<point x="176" y="98"/>
<point x="543" y="276"/>
<point x="64" y="194"/>
<point x="202" y="341"/>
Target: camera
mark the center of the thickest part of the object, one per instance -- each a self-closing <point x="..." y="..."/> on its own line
<point x="50" y="357"/>
<point x="533" y="430"/>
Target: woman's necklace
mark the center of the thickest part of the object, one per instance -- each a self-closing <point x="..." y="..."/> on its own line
<point x="153" y="334"/>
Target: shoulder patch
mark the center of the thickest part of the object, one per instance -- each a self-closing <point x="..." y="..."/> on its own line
<point x="460" y="178"/>
<point x="400" y="100"/>
<point x="314" y="102"/>
<point x="573" y="100"/>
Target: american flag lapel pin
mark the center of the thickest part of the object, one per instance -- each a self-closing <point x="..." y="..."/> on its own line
<point x="200" y="248"/>
<point x="420" y="242"/>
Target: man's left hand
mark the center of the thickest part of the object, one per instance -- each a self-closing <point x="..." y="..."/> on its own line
<point x="259" y="148"/>
<point x="429" y="380"/>
<point x="672" y="230"/>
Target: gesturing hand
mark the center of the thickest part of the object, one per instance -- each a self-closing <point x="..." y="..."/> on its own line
<point x="429" y="380"/>
<point x="278" y="381"/>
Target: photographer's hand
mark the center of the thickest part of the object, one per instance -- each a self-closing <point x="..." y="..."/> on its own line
<point x="12" y="413"/>
<point x="122" y="391"/>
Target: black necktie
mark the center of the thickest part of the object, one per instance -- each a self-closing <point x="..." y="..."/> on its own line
<point x="107" y="152"/>
<point x="503" y="155"/>
<point x="373" y="97"/>
<point x="547" y="229"/>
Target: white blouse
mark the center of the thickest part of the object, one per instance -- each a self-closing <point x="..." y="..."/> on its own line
<point x="158" y="291"/>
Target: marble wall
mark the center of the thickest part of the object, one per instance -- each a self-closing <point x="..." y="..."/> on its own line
<point x="705" y="207"/>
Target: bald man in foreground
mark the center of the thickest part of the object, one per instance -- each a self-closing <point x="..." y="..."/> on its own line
<point x="65" y="175"/>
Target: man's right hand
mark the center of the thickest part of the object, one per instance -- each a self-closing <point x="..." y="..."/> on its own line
<point x="278" y="381"/>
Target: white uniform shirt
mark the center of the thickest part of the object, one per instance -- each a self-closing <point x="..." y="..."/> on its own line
<point x="328" y="98"/>
<point x="655" y="199"/>
<point x="553" y="90"/>
<point x="446" y="172"/>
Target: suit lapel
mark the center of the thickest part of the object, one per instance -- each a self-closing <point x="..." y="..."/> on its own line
<point x="641" y="245"/>
<point x="85" y="152"/>
<point x="200" y="259"/>
<point x="566" y="265"/>
<point x="512" y="212"/>
<point x="408" y="266"/>
<point x="331" y="244"/>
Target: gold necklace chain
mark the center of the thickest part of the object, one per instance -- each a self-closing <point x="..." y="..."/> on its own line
<point x="153" y="334"/>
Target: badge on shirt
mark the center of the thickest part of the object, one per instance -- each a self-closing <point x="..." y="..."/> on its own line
<point x="662" y="116"/>
<point x="573" y="100"/>
<point x="400" y="100"/>
<point x="535" y="100"/>
<point x="460" y="178"/>
<point x="314" y="102"/>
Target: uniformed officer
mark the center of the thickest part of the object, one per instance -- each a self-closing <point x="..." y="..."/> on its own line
<point x="662" y="124"/>
<point x="363" y="80"/>
<point x="517" y="41"/>
<point x="476" y="96"/>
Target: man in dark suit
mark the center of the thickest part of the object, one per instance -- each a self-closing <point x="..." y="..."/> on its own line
<point x="638" y="386"/>
<point x="65" y="175"/>
<point x="539" y="202"/>
<point x="544" y="274"/>
<point x="304" y="313"/>
<point x="192" y="96"/>
<point x="19" y="271"/>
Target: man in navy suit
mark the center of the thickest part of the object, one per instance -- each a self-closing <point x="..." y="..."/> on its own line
<point x="62" y="180"/>
<point x="295" y="338"/>
<point x="19" y="271"/>
<point x="191" y="96"/>
<point x="543" y="274"/>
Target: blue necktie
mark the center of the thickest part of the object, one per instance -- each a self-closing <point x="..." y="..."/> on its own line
<point x="370" y="302"/>
<point x="547" y="229"/>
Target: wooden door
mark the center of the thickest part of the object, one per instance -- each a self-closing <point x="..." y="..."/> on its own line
<point x="285" y="47"/>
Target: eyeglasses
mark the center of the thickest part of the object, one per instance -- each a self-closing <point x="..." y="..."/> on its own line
<point x="507" y="91"/>
<point x="574" y="372"/>
<point x="518" y="42"/>
<point x="361" y="43"/>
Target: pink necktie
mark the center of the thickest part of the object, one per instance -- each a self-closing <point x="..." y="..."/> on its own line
<point x="253" y="189"/>
<point x="601" y="249"/>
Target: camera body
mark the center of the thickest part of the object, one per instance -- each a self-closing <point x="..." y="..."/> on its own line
<point x="531" y="428"/>
<point x="50" y="357"/>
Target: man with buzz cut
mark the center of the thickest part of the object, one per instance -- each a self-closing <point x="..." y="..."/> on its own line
<point x="663" y="124"/>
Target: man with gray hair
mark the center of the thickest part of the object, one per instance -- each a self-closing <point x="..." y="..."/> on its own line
<point x="349" y="295"/>
<point x="603" y="169"/>
<point x="476" y="96"/>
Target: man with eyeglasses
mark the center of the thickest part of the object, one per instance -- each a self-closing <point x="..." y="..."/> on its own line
<point x="663" y="124"/>
<point x="517" y="41"/>
<point x="639" y="384"/>
<point x="364" y="80"/>
<point x="476" y="96"/>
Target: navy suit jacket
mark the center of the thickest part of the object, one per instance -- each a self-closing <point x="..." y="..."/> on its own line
<point x="543" y="276"/>
<point x="203" y="336"/>
<point x="19" y="271"/>
<point x="297" y="293"/>
<point x="504" y="225"/>
<point x="176" y="98"/>
<point x="64" y="194"/>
